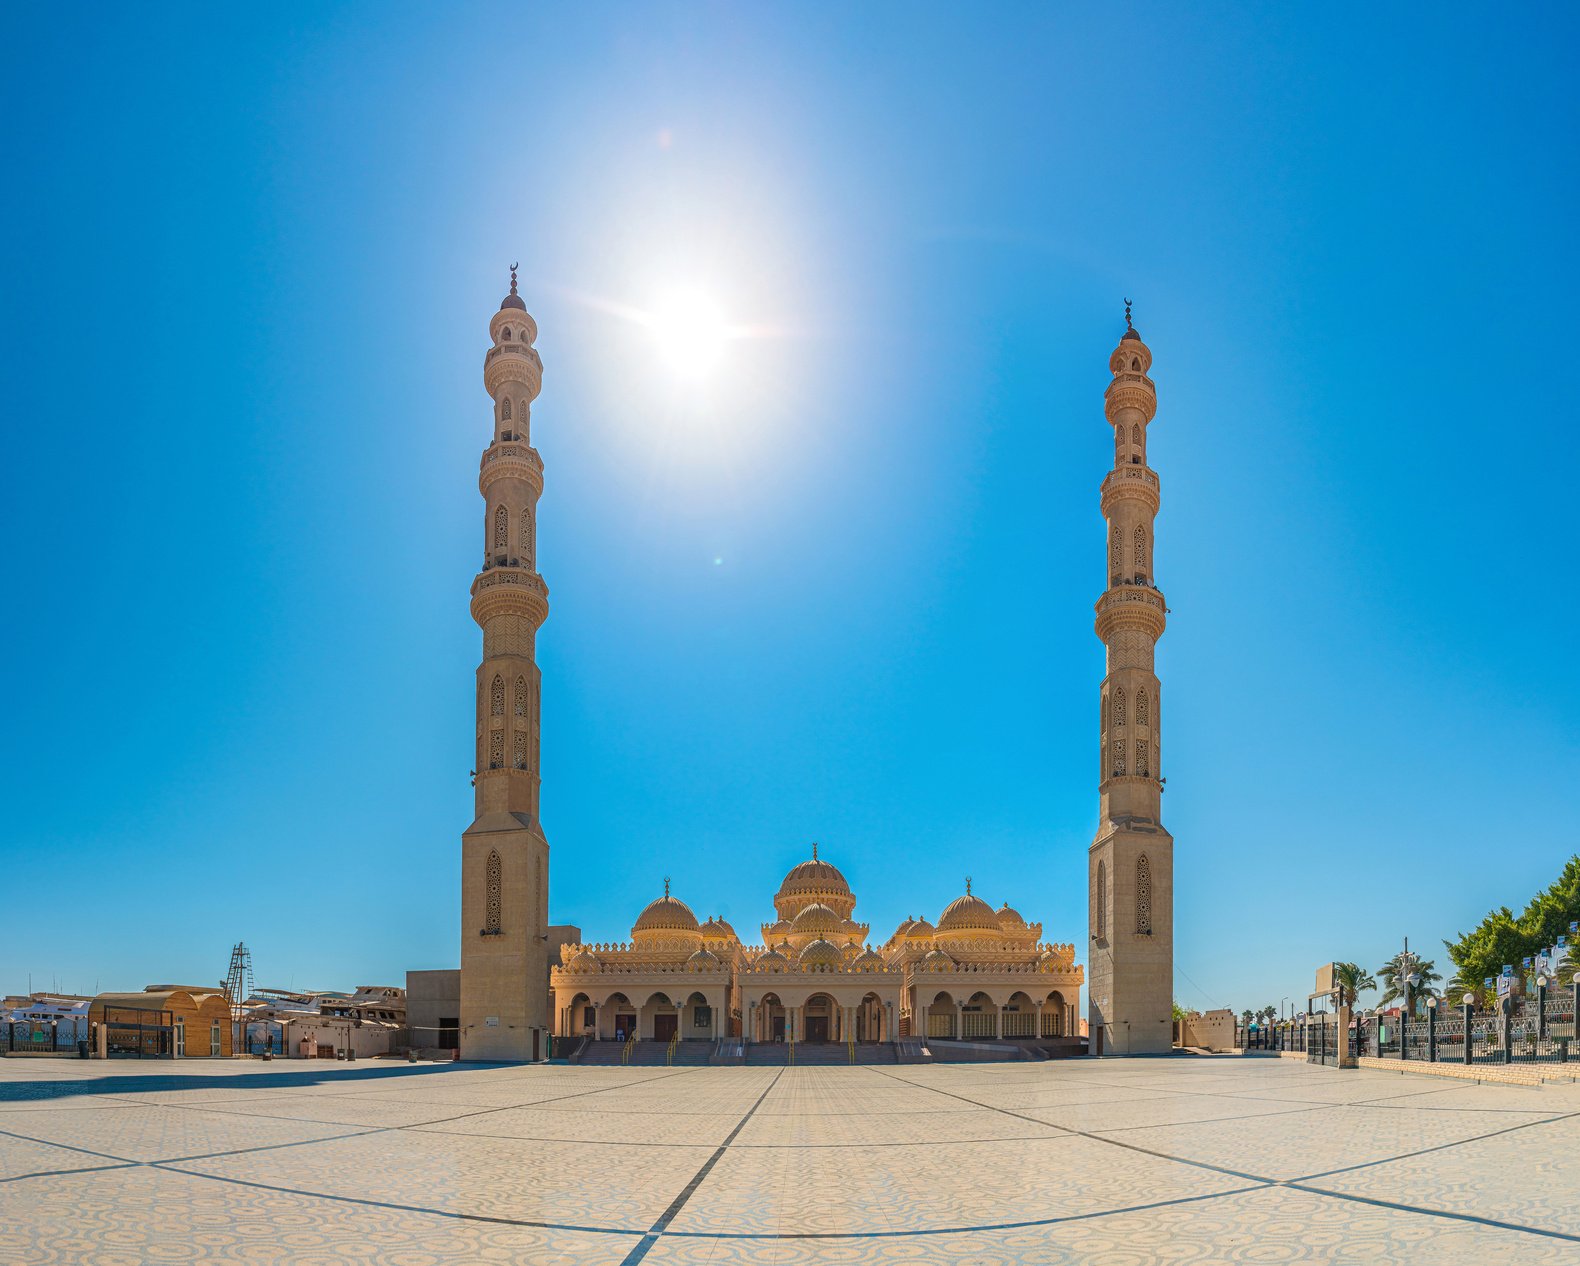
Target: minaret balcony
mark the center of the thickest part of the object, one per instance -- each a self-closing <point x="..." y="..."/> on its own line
<point x="1131" y="607"/>
<point x="513" y="362"/>
<point x="510" y="460"/>
<point x="510" y="591"/>
<point x="1131" y="483"/>
<point x="1130" y="391"/>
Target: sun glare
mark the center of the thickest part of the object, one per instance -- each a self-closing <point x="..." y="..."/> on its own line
<point x="691" y="333"/>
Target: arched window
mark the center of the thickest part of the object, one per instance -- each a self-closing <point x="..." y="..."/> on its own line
<point x="496" y="749"/>
<point x="528" y="545"/>
<point x="493" y="892"/>
<point x="1142" y="710"/>
<point x="518" y="749"/>
<point x="1117" y="751"/>
<point x="1115" y="557"/>
<point x="496" y="697"/>
<point x="1141" y="549"/>
<point x="521" y="696"/>
<point x="507" y="334"/>
<point x="504" y="409"/>
<point x="1119" y="706"/>
<point x="1143" y="896"/>
<point x="1135" y="433"/>
<point x="1142" y="763"/>
<point x="1135" y="363"/>
<point x="501" y="527"/>
<point x="1100" y="900"/>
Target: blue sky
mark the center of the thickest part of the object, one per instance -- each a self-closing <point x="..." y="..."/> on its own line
<point x="841" y="589"/>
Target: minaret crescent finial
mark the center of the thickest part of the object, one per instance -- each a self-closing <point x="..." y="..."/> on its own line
<point x="968" y="885"/>
<point x="666" y="885"/>
<point x="1128" y="326"/>
<point x="814" y="850"/>
<point x="517" y="265"/>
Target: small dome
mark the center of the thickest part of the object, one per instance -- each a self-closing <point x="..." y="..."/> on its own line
<point x="1009" y="918"/>
<point x="771" y="960"/>
<point x="817" y="917"/>
<point x="513" y="300"/>
<point x="937" y="960"/>
<point x="821" y="953"/>
<point x="968" y="914"/>
<point x="1048" y="960"/>
<point x="717" y="927"/>
<point x="868" y="960"/>
<point x="702" y="960"/>
<point x="667" y="914"/>
<point x="903" y="929"/>
<point x="584" y="960"/>
<point x="921" y="930"/>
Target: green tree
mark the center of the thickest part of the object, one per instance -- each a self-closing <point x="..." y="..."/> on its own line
<point x="1399" y="968"/>
<point x="1182" y="1013"/>
<point x="1502" y="937"/>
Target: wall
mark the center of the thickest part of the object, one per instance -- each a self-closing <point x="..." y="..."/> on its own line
<point x="1212" y="1031"/>
<point x="431" y="996"/>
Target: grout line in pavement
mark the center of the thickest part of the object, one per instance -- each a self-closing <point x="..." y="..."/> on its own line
<point x="642" y="1247"/>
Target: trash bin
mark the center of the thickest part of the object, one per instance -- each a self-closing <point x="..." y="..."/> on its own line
<point x="82" y="1048"/>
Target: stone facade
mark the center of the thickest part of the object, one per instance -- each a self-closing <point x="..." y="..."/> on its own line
<point x="1131" y="861"/>
<point x="979" y="973"/>
<point x="504" y="854"/>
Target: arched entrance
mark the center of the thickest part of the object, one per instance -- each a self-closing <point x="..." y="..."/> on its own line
<point x="770" y="1019"/>
<point x="979" y="1017"/>
<point x="617" y="1017"/>
<point x="580" y="1016"/>
<point x="820" y="1019"/>
<point x="869" y="1020"/>
<point x="1019" y="1018"/>
<point x="699" y="1023"/>
<point x="660" y="1018"/>
<point x="941" y="1014"/>
<point x="1055" y="1016"/>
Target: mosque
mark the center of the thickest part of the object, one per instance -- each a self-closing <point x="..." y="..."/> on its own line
<point x="975" y="974"/>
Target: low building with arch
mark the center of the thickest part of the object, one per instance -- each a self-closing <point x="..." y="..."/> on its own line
<point x="979" y="973"/>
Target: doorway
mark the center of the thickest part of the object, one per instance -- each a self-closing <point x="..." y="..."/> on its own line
<point x="181" y="1039"/>
<point x="664" y="1027"/>
<point x="817" y="1028"/>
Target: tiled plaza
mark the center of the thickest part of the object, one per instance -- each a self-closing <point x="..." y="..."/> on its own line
<point x="1102" y="1163"/>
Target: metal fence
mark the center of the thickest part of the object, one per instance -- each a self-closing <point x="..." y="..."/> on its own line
<point x="1537" y="1029"/>
<point x="42" y="1037"/>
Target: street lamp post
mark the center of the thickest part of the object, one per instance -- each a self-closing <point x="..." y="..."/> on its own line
<point x="1431" y="1030"/>
<point x="1469" y="1006"/>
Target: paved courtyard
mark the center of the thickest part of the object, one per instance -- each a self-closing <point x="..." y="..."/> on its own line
<point x="1103" y="1163"/>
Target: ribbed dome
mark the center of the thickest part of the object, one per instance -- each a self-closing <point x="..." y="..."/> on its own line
<point x="702" y="960"/>
<point x="771" y="960"/>
<point x="868" y="960"/>
<point x="667" y="914"/>
<point x="513" y="300"/>
<point x="968" y="914"/>
<point x="1009" y="918"/>
<point x="921" y="930"/>
<point x="937" y="960"/>
<point x="821" y="953"/>
<point x="817" y="917"/>
<point x="814" y="880"/>
<point x="904" y="928"/>
<point x="717" y="927"/>
<point x="583" y="960"/>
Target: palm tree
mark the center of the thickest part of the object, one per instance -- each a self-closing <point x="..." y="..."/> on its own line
<point x="1397" y="971"/>
<point x="1351" y="980"/>
<point x="1460" y="985"/>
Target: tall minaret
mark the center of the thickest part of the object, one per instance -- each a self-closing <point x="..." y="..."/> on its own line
<point x="504" y="855"/>
<point x="1131" y="863"/>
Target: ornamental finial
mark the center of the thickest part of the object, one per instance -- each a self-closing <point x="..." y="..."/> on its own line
<point x="814" y="850"/>
<point x="968" y="885"/>
<point x="517" y="265"/>
<point x="666" y="886"/>
<point x="1128" y="326"/>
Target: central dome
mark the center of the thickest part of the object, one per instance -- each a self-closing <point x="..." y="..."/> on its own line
<point x="821" y="954"/>
<point x="968" y="914"/>
<point x="814" y="881"/>
<point x="667" y="918"/>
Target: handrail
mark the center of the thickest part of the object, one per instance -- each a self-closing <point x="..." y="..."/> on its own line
<point x="628" y="1048"/>
<point x="850" y="1043"/>
<point x="669" y="1055"/>
<point x="790" y="1042"/>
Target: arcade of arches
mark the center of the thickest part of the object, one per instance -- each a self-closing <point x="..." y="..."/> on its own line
<point x="978" y="973"/>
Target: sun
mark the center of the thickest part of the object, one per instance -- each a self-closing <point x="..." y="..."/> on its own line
<point x="691" y="332"/>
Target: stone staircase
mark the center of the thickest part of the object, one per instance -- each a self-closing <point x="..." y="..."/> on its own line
<point x="819" y="1054"/>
